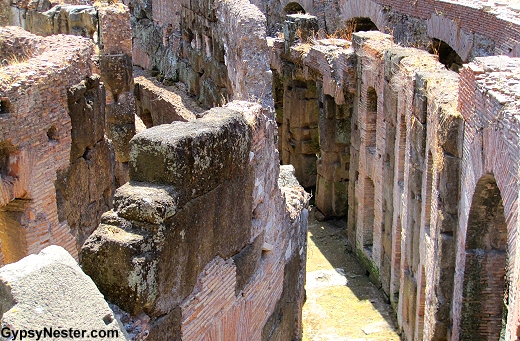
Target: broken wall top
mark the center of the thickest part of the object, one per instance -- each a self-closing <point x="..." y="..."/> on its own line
<point x="30" y="60"/>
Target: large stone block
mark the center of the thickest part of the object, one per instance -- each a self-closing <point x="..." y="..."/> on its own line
<point x="121" y="134"/>
<point x="50" y="290"/>
<point x="247" y="261"/>
<point x="84" y="190"/>
<point x="146" y="203"/>
<point x="117" y="72"/>
<point x="198" y="155"/>
<point x="147" y="254"/>
<point x="299" y="27"/>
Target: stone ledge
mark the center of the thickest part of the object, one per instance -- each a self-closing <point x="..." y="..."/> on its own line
<point x="212" y="149"/>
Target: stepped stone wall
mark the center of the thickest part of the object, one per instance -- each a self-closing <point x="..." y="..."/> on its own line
<point x="206" y="221"/>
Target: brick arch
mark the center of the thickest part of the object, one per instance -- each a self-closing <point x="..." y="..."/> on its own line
<point x="487" y="152"/>
<point x="294" y="7"/>
<point x="448" y="30"/>
<point x="350" y="9"/>
<point x="358" y="24"/>
<point x="484" y="284"/>
<point x="306" y="5"/>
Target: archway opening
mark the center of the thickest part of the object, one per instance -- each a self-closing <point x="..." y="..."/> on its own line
<point x="368" y="223"/>
<point x="294" y="8"/>
<point x="147" y="119"/>
<point x="447" y="56"/>
<point x="361" y="24"/>
<point x="485" y="291"/>
<point x="371" y="120"/>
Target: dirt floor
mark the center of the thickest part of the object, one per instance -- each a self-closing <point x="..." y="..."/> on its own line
<point x="342" y="304"/>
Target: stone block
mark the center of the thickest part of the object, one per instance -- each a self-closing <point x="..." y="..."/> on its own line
<point x="50" y="290"/>
<point x="121" y="134"/>
<point x="167" y="327"/>
<point x="116" y="71"/>
<point x="299" y="27"/>
<point x="153" y="267"/>
<point x="145" y="202"/>
<point x="198" y="155"/>
<point x="115" y="33"/>
<point x="247" y="261"/>
<point x="148" y="252"/>
<point x="86" y="110"/>
<point x="122" y="111"/>
<point x="128" y="278"/>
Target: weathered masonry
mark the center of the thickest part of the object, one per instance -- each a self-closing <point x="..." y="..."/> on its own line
<point x="401" y="117"/>
<point x="422" y="162"/>
<point x="204" y="234"/>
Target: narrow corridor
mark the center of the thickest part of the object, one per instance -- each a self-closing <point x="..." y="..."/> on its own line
<point x="342" y="304"/>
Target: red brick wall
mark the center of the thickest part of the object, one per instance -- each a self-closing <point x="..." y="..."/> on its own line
<point x="37" y="92"/>
<point x="452" y="22"/>
<point x="449" y="131"/>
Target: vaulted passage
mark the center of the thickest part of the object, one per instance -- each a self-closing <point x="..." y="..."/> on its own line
<point x="13" y="245"/>
<point x="341" y="303"/>
<point x="368" y="223"/>
<point x="447" y="55"/>
<point x="371" y="120"/>
<point x="484" y="310"/>
<point x="362" y="24"/>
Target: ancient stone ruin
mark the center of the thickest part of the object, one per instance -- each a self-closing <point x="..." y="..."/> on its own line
<point x="143" y="140"/>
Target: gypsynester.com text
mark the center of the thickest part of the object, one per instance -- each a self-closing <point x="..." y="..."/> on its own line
<point x="57" y="333"/>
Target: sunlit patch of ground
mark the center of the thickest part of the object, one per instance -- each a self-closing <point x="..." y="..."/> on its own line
<point x="342" y="304"/>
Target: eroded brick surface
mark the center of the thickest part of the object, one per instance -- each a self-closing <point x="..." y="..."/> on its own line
<point x="420" y="140"/>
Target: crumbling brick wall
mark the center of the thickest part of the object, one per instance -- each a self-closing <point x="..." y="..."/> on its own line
<point x="84" y="188"/>
<point x="421" y="144"/>
<point x="109" y="28"/>
<point x="44" y="99"/>
<point x="488" y="107"/>
<point x="477" y="29"/>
